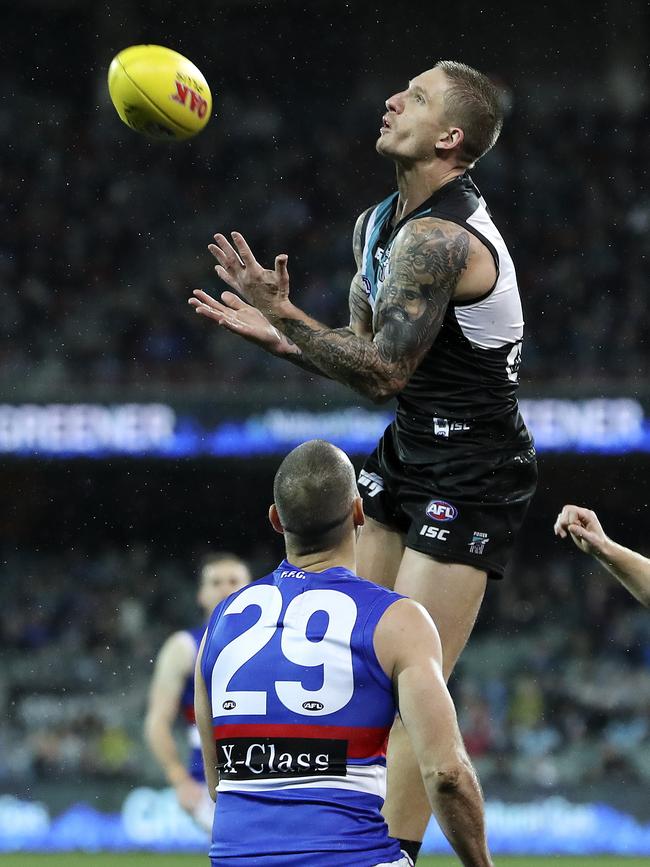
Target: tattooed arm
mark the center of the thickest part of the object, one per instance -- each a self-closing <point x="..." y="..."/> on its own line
<point x="360" y="311"/>
<point x="427" y="260"/>
<point x="251" y="323"/>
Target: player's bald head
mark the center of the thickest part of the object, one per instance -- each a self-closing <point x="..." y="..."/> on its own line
<point x="314" y="490"/>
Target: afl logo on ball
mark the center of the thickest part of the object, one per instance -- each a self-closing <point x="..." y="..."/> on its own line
<point x="439" y="510"/>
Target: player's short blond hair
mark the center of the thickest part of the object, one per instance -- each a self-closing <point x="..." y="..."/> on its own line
<point x="314" y="489"/>
<point x="472" y="102"/>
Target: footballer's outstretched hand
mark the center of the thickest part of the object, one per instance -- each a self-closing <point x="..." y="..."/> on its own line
<point x="265" y="289"/>
<point x="241" y="318"/>
<point x="584" y="528"/>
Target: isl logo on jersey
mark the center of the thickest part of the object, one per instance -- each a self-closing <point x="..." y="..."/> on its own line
<point x="441" y="510"/>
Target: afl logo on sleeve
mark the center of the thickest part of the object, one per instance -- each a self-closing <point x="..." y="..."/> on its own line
<point x="440" y="510"/>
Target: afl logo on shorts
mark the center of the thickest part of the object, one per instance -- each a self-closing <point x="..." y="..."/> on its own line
<point x="439" y="510"/>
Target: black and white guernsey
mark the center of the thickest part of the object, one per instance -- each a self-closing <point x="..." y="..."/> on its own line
<point x="463" y="393"/>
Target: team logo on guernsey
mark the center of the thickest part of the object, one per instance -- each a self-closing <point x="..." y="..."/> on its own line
<point x="478" y="543"/>
<point x="367" y="285"/>
<point x="292" y="573"/>
<point x="440" y="510"/>
<point x="382" y="256"/>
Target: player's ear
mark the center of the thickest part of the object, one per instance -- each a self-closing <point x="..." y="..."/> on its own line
<point x="358" y="515"/>
<point x="450" y="138"/>
<point x="274" y="518"/>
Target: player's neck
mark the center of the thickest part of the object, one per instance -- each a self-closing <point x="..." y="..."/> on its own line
<point x="418" y="182"/>
<point x="342" y="556"/>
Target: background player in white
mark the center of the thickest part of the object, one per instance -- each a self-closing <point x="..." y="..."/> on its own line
<point x="435" y="320"/>
<point x="171" y="693"/>
<point x="270" y="814"/>
<point x="629" y="567"/>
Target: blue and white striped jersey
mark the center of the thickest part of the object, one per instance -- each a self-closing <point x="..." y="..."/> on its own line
<point x="301" y="713"/>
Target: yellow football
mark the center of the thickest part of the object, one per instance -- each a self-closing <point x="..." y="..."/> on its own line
<point x="158" y="92"/>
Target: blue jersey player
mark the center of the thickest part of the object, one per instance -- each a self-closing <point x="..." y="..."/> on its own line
<point x="172" y="689"/>
<point x="298" y="680"/>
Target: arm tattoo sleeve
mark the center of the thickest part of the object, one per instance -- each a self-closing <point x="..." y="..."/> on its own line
<point x="301" y="360"/>
<point x="427" y="260"/>
<point x="360" y="310"/>
<point x="360" y="325"/>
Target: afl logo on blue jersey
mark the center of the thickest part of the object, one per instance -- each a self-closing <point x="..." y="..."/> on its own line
<point x="229" y="705"/>
<point x="312" y="705"/>
<point x="439" y="510"/>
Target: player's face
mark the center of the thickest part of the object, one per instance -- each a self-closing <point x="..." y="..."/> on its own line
<point x="415" y="119"/>
<point x="220" y="580"/>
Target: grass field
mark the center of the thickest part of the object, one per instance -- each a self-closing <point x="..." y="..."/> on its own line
<point x="148" y="860"/>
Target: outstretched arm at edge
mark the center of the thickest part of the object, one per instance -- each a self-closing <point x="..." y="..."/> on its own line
<point x="627" y="566"/>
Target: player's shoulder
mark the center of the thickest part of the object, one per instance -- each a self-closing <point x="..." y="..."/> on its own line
<point x="430" y="230"/>
<point x="361" y="219"/>
<point x="362" y="224"/>
<point x="370" y="597"/>
<point x="181" y="638"/>
<point x="179" y="650"/>
<point x="384" y="204"/>
<point x="404" y="635"/>
<point x="429" y="247"/>
<point x="408" y="619"/>
<point x="358" y="236"/>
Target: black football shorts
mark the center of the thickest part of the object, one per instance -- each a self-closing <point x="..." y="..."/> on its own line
<point x="456" y="508"/>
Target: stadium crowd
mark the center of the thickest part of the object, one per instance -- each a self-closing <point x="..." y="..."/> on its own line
<point x="102" y="243"/>
<point x="553" y="689"/>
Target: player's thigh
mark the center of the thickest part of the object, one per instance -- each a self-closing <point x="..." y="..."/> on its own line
<point x="379" y="553"/>
<point x="452" y="594"/>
